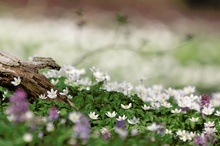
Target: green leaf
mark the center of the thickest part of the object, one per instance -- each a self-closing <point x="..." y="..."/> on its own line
<point x="63" y="112"/>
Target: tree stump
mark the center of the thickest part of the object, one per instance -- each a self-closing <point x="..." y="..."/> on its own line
<point x="32" y="82"/>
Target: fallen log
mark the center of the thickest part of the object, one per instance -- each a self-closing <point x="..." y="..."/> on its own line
<point x="32" y="82"/>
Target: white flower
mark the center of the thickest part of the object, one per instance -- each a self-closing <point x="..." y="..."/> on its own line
<point x="184" y="135"/>
<point x="93" y="116"/>
<point x="104" y="130"/>
<point x="155" y="105"/>
<point x="208" y="110"/>
<point x="51" y="74"/>
<point x="50" y="127"/>
<point x="157" y="88"/>
<point x="43" y="96"/>
<point x="74" y="117"/>
<point x="126" y="87"/>
<point x="176" y="111"/>
<point x="29" y="115"/>
<point x="193" y="97"/>
<point x="134" y="132"/>
<point x="67" y="70"/>
<point x="170" y="91"/>
<point x="167" y="131"/>
<point x="54" y="82"/>
<point x="40" y="135"/>
<point x="166" y="104"/>
<point x="210" y="130"/>
<point x="153" y="127"/>
<point x="209" y="124"/>
<point x="5" y="94"/>
<point x="111" y="115"/>
<point x="217" y="113"/>
<point x="111" y="86"/>
<point x="126" y="106"/>
<point x="16" y="81"/>
<point x="193" y="119"/>
<point x="184" y="102"/>
<point x="27" y="137"/>
<point x="65" y="91"/>
<point x="11" y="118"/>
<point x="69" y="96"/>
<point x="141" y="91"/>
<point x="145" y="107"/>
<point x="94" y="69"/>
<point x="62" y="121"/>
<point x="192" y="134"/>
<point x="121" y="132"/>
<point x="100" y="76"/>
<point x="189" y="90"/>
<point x="133" y="121"/>
<point x="121" y="118"/>
<point x="52" y="94"/>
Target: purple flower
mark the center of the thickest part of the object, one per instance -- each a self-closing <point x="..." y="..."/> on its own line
<point x="106" y="135"/>
<point x="199" y="141"/>
<point x="82" y="128"/>
<point x="120" y="124"/>
<point x="18" y="106"/>
<point x="53" y="114"/>
<point x="205" y="100"/>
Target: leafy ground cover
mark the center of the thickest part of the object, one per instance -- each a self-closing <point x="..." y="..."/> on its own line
<point x="110" y="113"/>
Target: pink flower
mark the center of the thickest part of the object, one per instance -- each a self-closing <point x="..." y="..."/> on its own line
<point x="53" y="114"/>
<point x="18" y="106"/>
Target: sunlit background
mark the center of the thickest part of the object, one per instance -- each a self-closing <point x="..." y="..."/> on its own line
<point x="172" y="43"/>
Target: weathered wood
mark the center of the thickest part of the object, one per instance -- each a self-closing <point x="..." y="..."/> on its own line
<point x="32" y="82"/>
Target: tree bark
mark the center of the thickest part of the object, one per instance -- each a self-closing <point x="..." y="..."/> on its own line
<point x="32" y="82"/>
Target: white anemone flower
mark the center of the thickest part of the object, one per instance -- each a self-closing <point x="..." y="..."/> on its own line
<point x="209" y="124"/>
<point x="133" y="121"/>
<point x="217" y="113"/>
<point x="111" y="115"/>
<point x="121" y="118"/>
<point x="167" y="131"/>
<point x="74" y="117"/>
<point x="166" y="104"/>
<point x="153" y="127"/>
<point x="184" y="102"/>
<point x="104" y="130"/>
<point x="43" y="96"/>
<point x="145" y="107"/>
<point x="27" y="137"/>
<point x="69" y="96"/>
<point x="185" y="135"/>
<point x="50" y="127"/>
<point x="193" y="119"/>
<point x="189" y="90"/>
<point x="52" y="93"/>
<point x="208" y="110"/>
<point x="176" y="111"/>
<point x="101" y="76"/>
<point x="94" y="69"/>
<point x="210" y="130"/>
<point x="126" y="106"/>
<point x="65" y="91"/>
<point x="93" y="115"/>
<point x="16" y="81"/>
<point x="54" y="82"/>
<point x="121" y="132"/>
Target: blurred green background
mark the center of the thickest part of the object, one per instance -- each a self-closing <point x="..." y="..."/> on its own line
<point x="174" y="43"/>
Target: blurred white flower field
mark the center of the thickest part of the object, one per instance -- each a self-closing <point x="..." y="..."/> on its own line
<point x="154" y="50"/>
